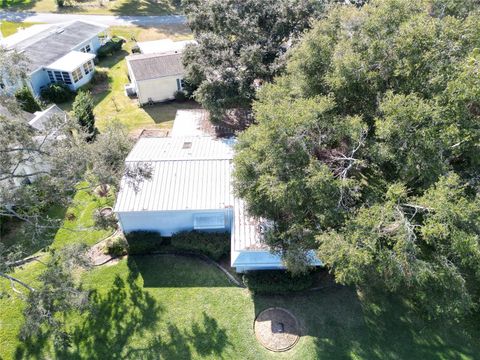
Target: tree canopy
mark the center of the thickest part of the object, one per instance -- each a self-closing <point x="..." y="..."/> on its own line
<point x="240" y="42"/>
<point x="367" y="149"/>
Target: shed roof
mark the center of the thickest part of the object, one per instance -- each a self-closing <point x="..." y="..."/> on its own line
<point x="153" y="66"/>
<point x="192" y="177"/>
<point x="46" y="44"/>
<point x="42" y="117"/>
<point x="163" y="46"/>
<point x="73" y="60"/>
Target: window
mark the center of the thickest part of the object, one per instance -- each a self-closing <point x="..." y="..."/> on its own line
<point x="50" y="76"/>
<point x="58" y="76"/>
<point x="77" y="75"/>
<point x="209" y="221"/>
<point x="182" y="84"/>
<point x="88" y="67"/>
<point x="66" y="78"/>
<point x="86" y="49"/>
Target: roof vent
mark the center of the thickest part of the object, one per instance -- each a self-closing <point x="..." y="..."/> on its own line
<point x="187" y="145"/>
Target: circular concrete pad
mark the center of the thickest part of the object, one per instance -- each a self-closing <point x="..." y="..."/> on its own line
<point x="277" y="329"/>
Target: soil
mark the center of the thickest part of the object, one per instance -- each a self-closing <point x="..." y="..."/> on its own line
<point x="277" y="329"/>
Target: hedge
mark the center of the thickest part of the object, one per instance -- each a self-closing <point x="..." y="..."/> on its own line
<point x="213" y="245"/>
<point x="26" y="100"/>
<point x="57" y="93"/>
<point x="143" y="242"/>
<point x="276" y="281"/>
<point x="111" y="47"/>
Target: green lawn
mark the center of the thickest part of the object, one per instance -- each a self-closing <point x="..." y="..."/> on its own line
<point x="8" y="28"/>
<point x="114" y="7"/>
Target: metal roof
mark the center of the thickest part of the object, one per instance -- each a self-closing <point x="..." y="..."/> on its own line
<point x="163" y="46"/>
<point x="192" y="177"/>
<point x="248" y="231"/>
<point x="189" y="123"/>
<point x="180" y="148"/>
<point x="44" y="47"/>
<point x="153" y="66"/>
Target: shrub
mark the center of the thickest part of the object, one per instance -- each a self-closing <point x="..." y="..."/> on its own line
<point x="276" y="281"/>
<point x="26" y="100"/>
<point x="111" y="47"/>
<point x="213" y="245"/>
<point x="99" y="77"/>
<point x="143" y="242"/>
<point x="83" y="110"/>
<point x="57" y="93"/>
<point x="117" y="246"/>
<point x="180" y="95"/>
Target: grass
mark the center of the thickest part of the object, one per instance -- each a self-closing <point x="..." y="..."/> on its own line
<point x="8" y="28"/>
<point x="117" y="7"/>
<point x="112" y="104"/>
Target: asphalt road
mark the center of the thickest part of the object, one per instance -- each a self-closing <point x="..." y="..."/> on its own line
<point x="110" y="20"/>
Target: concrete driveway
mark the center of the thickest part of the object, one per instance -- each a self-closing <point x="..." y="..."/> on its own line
<point x="109" y="20"/>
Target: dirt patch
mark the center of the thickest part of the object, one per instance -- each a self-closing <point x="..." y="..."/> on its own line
<point x="277" y="329"/>
<point x="97" y="253"/>
<point x="106" y="211"/>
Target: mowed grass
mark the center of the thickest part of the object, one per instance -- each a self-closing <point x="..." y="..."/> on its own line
<point x="97" y="7"/>
<point x="166" y="307"/>
<point x="8" y="28"/>
<point x="111" y="103"/>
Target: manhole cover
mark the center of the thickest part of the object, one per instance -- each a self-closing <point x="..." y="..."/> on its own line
<point x="277" y="329"/>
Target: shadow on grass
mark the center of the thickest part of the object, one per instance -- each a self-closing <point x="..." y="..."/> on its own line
<point x="125" y="322"/>
<point x="163" y="271"/>
<point x="343" y="327"/>
<point x="147" y="7"/>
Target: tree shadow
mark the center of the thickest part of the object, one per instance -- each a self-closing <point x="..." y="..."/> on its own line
<point x="126" y="322"/>
<point x="147" y="7"/>
<point x="343" y="326"/>
<point x="167" y="271"/>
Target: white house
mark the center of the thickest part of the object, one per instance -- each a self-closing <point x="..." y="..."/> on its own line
<point x="191" y="189"/>
<point x="157" y="73"/>
<point x="56" y="53"/>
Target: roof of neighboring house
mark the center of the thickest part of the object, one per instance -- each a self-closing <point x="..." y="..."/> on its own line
<point x="163" y="46"/>
<point x="191" y="173"/>
<point x="153" y="66"/>
<point x="42" y="117"/>
<point x="45" y="44"/>
<point x="73" y="60"/>
<point x="14" y="111"/>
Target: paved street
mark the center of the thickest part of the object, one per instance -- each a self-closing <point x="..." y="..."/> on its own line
<point x="109" y="20"/>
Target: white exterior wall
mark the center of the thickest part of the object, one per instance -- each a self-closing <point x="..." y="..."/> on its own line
<point x="167" y="222"/>
<point x="157" y="90"/>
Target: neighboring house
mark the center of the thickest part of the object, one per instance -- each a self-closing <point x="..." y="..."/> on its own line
<point x="56" y="53"/>
<point x="191" y="189"/>
<point x="157" y="73"/>
<point x="41" y="122"/>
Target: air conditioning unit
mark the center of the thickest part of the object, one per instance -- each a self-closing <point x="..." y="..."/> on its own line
<point x="130" y="90"/>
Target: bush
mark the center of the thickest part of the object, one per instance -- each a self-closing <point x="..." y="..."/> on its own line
<point x="180" y="95"/>
<point x="26" y="100"/>
<point x="117" y="246"/>
<point x="57" y="93"/>
<point x="276" y="281"/>
<point x="111" y="47"/>
<point x="213" y="245"/>
<point x="99" y="77"/>
<point x="143" y="242"/>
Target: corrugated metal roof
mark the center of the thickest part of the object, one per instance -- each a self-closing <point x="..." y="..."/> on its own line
<point x="180" y="148"/>
<point x="188" y="174"/>
<point x="153" y="66"/>
<point x="180" y="185"/>
<point x="248" y="231"/>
